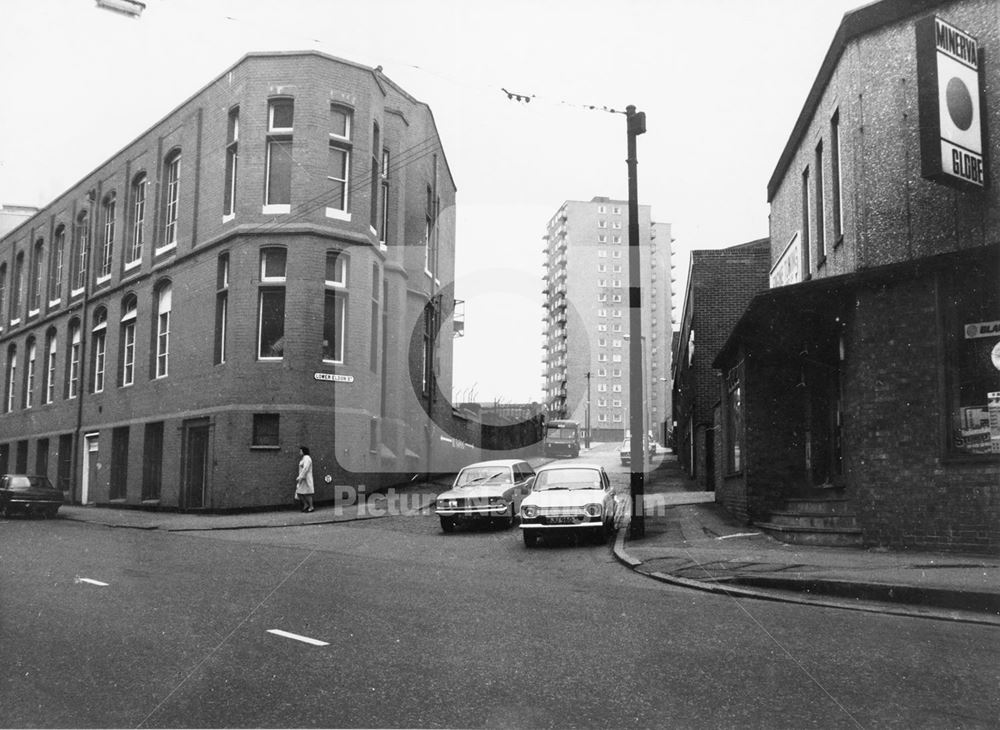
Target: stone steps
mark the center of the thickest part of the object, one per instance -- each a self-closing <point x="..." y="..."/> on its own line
<point x="815" y="520"/>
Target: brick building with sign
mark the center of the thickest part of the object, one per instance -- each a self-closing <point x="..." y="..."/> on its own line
<point x="261" y="269"/>
<point x="860" y="397"/>
<point x="720" y="284"/>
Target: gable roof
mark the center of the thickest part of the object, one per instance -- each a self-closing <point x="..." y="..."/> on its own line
<point x="855" y="23"/>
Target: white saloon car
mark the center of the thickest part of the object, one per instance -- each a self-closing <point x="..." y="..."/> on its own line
<point x="488" y="490"/>
<point x="569" y="496"/>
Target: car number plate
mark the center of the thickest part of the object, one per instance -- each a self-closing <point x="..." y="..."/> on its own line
<point x="563" y="520"/>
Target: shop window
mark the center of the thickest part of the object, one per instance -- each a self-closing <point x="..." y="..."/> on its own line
<point x="973" y="324"/>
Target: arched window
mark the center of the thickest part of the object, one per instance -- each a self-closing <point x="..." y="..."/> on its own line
<point x="100" y="346"/>
<point x="73" y="370"/>
<point x="126" y="341"/>
<point x="49" y="392"/>
<point x="171" y="199"/>
<point x="11" y="379"/>
<point x="17" y="289"/>
<point x="163" y="307"/>
<point x="81" y="246"/>
<point x="108" y="208"/>
<point x="29" y="376"/>
<point x="133" y="254"/>
<point x="56" y="264"/>
<point x="3" y="292"/>
<point x="35" y="278"/>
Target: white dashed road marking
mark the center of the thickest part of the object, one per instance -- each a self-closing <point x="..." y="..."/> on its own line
<point x="91" y="581"/>
<point x="297" y="637"/>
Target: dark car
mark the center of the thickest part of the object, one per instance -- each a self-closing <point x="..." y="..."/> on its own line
<point x="29" y="494"/>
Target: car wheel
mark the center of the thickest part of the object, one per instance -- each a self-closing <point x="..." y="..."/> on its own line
<point x="448" y="524"/>
<point x="3" y="510"/>
<point x="51" y="512"/>
<point x="530" y="537"/>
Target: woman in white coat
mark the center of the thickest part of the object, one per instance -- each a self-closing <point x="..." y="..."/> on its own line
<point x="304" y="489"/>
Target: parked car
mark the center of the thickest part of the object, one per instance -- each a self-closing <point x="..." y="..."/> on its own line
<point x="487" y="490"/>
<point x="625" y="452"/>
<point x="30" y="494"/>
<point x="569" y="497"/>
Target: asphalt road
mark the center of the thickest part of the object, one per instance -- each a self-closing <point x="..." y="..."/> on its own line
<point x="104" y="627"/>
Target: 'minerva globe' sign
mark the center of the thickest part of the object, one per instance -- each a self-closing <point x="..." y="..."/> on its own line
<point x="949" y="77"/>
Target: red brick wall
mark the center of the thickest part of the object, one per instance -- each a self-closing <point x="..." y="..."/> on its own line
<point x="333" y="419"/>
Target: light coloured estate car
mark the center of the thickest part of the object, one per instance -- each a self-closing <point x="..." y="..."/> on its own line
<point x="569" y="496"/>
<point x="487" y="490"/>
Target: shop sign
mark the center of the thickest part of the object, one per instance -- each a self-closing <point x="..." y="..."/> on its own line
<point x="982" y="329"/>
<point x="334" y="377"/>
<point x="949" y="83"/>
<point x="788" y="268"/>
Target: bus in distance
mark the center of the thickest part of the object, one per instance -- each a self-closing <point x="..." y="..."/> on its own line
<point x="562" y="438"/>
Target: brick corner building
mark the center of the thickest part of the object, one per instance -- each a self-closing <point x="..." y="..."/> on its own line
<point x="861" y="392"/>
<point x="261" y="269"/>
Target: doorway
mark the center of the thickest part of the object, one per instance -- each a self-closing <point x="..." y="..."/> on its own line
<point x="91" y="465"/>
<point x="195" y="460"/>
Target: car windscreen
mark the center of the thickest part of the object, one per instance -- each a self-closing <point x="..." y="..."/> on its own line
<point x="560" y="434"/>
<point x="28" y="482"/>
<point x="568" y="479"/>
<point x="483" y="475"/>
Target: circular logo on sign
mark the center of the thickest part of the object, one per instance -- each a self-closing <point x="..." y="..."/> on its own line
<point x="959" y="103"/>
<point x="970" y="330"/>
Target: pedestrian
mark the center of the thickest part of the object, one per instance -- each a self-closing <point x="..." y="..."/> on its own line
<point x="304" y="489"/>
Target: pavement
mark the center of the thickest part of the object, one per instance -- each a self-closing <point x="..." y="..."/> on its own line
<point x="689" y="541"/>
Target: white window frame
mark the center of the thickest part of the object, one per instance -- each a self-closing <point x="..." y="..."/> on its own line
<point x="108" y="208"/>
<point x="100" y="354"/>
<point x="75" y="343"/>
<point x="134" y="257"/>
<point x="29" y="381"/>
<point x="163" y="308"/>
<point x="128" y="322"/>
<point x="11" y="382"/>
<point x="171" y="216"/>
<point x="50" y="368"/>
<point x="331" y="211"/>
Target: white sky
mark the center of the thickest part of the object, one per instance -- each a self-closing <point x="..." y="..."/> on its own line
<point x="721" y="82"/>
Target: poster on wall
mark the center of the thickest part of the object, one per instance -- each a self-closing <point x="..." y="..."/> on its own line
<point x="994" y="421"/>
<point x="950" y="93"/>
